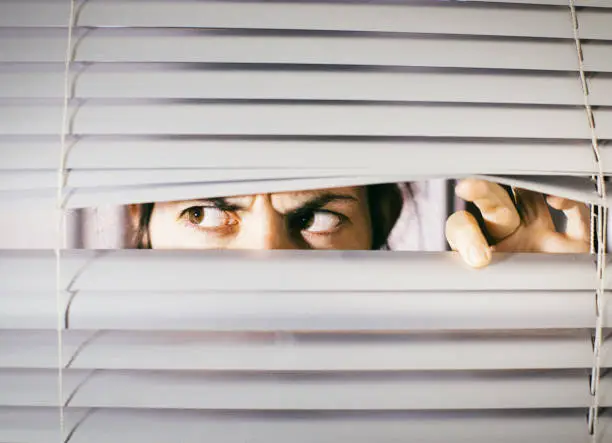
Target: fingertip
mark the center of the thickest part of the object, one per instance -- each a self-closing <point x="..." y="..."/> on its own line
<point x="456" y="223"/>
<point x="477" y="256"/>
<point x="467" y="187"/>
<point x="461" y="185"/>
<point x="464" y="236"/>
<point x="560" y="203"/>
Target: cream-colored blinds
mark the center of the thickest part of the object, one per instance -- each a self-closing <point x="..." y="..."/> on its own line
<point x="184" y="99"/>
<point x="167" y="94"/>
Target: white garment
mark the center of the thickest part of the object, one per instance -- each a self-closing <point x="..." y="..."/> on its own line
<point x="420" y="226"/>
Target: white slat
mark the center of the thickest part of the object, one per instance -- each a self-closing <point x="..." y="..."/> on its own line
<point x="604" y="122"/>
<point x="301" y="311"/>
<point x="598" y="89"/>
<point x="592" y="23"/>
<point x="491" y="38"/>
<point x="123" y="45"/>
<point x="40" y="425"/>
<point x="575" y="188"/>
<point x="33" y="179"/>
<point x="26" y="310"/>
<point x="438" y="19"/>
<point x="355" y="17"/>
<point x="191" y="390"/>
<point x="176" y="82"/>
<point x="17" y="180"/>
<point x="579" y="3"/>
<point x="597" y="57"/>
<point x="269" y="353"/>
<point x="153" y="153"/>
<point x="334" y="311"/>
<point x="28" y="179"/>
<point x="308" y="120"/>
<point x="192" y="270"/>
<point x="458" y="19"/>
<point x="92" y="197"/>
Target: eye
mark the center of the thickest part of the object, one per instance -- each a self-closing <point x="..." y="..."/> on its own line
<point x="208" y="217"/>
<point x="321" y="222"/>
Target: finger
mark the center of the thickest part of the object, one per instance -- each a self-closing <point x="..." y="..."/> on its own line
<point x="465" y="237"/>
<point x="578" y="217"/>
<point x="555" y="242"/>
<point x="534" y="208"/>
<point x="560" y="203"/>
<point x="498" y="211"/>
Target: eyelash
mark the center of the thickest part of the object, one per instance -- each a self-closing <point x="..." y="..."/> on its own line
<point x="185" y="213"/>
<point x="295" y="221"/>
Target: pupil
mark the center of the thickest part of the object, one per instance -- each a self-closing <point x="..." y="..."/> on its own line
<point x="306" y="221"/>
<point x="196" y="215"/>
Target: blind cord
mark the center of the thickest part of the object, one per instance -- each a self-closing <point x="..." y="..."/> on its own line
<point x="61" y="221"/>
<point x="599" y="219"/>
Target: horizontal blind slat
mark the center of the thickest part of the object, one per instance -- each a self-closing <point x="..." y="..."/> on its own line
<point x="32" y="310"/>
<point x="25" y="180"/>
<point x="104" y="45"/>
<point x="597" y="57"/>
<point x="159" y="270"/>
<point x="40" y="425"/>
<point x="186" y="390"/>
<point x="578" y="3"/>
<point x="179" y="82"/>
<point x="123" y="390"/>
<point x="471" y="19"/>
<point x="91" y="197"/>
<point x="301" y="311"/>
<point x="575" y="188"/>
<point x="418" y="120"/>
<point x="28" y="179"/>
<point x="32" y="179"/>
<point x="90" y="152"/>
<point x="357" y="352"/>
<point x="437" y="19"/>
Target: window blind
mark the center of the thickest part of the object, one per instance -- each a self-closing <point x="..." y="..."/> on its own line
<point x="185" y="99"/>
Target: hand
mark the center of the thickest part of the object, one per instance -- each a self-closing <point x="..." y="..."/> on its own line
<point x="535" y="233"/>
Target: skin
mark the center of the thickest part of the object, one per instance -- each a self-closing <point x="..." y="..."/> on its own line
<point x="339" y="219"/>
<point x="536" y="233"/>
<point x="319" y="219"/>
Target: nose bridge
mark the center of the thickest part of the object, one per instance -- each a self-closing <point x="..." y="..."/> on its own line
<point x="267" y="228"/>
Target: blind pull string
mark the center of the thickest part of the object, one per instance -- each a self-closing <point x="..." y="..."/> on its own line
<point x="61" y="221"/>
<point x="599" y="226"/>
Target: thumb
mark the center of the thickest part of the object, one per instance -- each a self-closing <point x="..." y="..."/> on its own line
<point x="464" y="236"/>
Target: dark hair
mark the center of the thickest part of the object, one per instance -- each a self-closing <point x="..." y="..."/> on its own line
<point x="385" y="202"/>
<point x="141" y="217"/>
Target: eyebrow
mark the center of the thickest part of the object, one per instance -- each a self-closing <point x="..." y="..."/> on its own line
<point x="316" y="202"/>
<point x="223" y="203"/>
<point x="321" y="200"/>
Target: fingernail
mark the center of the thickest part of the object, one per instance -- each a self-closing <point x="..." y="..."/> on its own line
<point x="478" y="256"/>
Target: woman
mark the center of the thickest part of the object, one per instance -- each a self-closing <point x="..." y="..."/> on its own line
<point x="358" y="217"/>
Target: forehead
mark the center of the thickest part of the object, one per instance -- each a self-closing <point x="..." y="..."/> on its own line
<point x="349" y="191"/>
<point x="355" y="194"/>
<point x="296" y="198"/>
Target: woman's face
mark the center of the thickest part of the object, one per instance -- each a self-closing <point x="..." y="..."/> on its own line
<point x="336" y="218"/>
